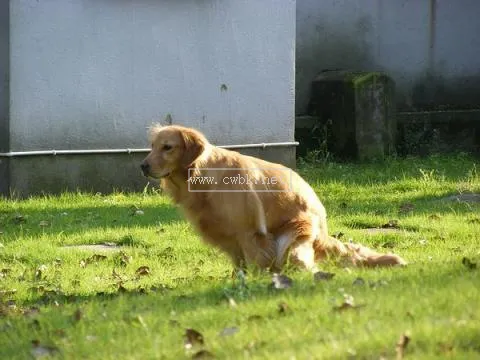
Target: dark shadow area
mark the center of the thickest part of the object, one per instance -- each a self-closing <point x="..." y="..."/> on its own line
<point x="217" y="293"/>
<point x="77" y="220"/>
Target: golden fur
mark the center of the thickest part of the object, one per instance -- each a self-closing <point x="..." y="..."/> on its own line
<point x="274" y="217"/>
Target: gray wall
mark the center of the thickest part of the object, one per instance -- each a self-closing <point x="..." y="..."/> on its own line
<point x="4" y="76"/>
<point x="90" y="74"/>
<point x="406" y="38"/>
<point x="95" y="73"/>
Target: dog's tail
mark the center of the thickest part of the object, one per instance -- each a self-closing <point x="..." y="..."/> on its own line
<point x="354" y="253"/>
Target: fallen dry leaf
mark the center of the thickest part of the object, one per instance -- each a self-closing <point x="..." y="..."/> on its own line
<point x="388" y="245"/>
<point x="254" y="318"/>
<point x="44" y="223"/>
<point x="359" y="281"/>
<point x="203" y="354"/>
<point x="469" y="264"/>
<point x="4" y="273"/>
<point x="192" y="337"/>
<point x="77" y="316"/>
<point x="407" y="207"/>
<point x="320" y="276"/>
<point x="283" y="308"/>
<point x="338" y="235"/>
<point x="31" y="312"/>
<point x="347" y="304"/>
<point x="19" y="219"/>
<point x="143" y="270"/>
<point x="39" y="272"/>
<point x="173" y="323"/>
<point x="124" y="259"/>
<point x="445" y="348"/>
<point x="392" y="224"/>
<point x="402" y="346"/>
<point x="7" y="292"/>
<point x="280" y="281"/>
<point x="92" y="259"/>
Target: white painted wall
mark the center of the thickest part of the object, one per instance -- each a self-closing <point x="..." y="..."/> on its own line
<point x="388" y="35"/>
<point x="95" y="73"/>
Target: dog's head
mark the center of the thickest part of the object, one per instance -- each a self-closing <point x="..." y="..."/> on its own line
<point x="174" y="148"/>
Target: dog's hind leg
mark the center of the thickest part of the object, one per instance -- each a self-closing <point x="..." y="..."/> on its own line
<point x="295" y="244"/>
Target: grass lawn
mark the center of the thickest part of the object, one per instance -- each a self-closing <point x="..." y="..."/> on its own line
<point x="137" y="302"/>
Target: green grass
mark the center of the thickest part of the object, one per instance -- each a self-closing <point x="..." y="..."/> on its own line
<point x="104" y="310"/>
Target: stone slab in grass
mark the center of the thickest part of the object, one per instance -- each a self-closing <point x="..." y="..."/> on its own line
<point x="382" y="231"/>
<point x="472" y="198"/>
<point x="94" y="247"/>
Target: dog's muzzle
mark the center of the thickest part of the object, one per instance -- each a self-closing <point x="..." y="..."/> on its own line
<point x="145" y="168"/>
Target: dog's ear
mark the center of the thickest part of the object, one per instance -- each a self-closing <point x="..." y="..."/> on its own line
<point x="195" y="144"/>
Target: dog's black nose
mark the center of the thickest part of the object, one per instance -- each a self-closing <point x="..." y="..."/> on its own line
<point x="145" y="167"/>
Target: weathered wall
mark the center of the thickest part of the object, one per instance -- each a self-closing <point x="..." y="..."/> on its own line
<point x="409" y="39"/>
<point x="95" y="74"/>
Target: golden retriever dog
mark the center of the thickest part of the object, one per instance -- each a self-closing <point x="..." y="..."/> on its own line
<point x="257" y="212"/>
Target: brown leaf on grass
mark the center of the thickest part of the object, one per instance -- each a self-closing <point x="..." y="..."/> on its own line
<point x="192" y="337"/>
<point x="7" y="292"/>
<point x="388" y="245"/>
<point x="445" y="348"/>
<point x="402" y="346"/>
<point x="406" y="208"/>
<point x="280" y="281"/>
<point x="173" y="323"/>
<point x="96" y="258"/>
<point x="469" y="264"/>
<point x="283" y="308"/>
<point x="39" y="272"/>
<point x="347" y="304"/>
<point x="39" y="350"/>
<point x="44" y="223"/>
<point x="4" y="273"/>
<point x="203" y="354"/>
<point x="254" y="317"/>
<point x="19" y="219"/>
<point x="320" y="276"/>
<point x="143" y="270"/>
<point x="392" y="224"/>
<point x="31" y="312"/>
<point x="338" y="235"/>
<point x="124" y="259"/>
<point x="358" y="282"/>
<point x="77" y="316"/>
<point x="92" y="259"/>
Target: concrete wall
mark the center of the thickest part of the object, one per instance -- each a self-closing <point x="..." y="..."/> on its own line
<point x="409" y="39"/>
<point x="89" y="74"/>
<point x="95" y="73"/>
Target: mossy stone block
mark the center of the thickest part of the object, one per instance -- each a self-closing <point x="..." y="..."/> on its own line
<point x="361" y="109"/>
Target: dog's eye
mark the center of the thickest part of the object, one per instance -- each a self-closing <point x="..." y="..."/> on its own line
<point x="167" y="147"/>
